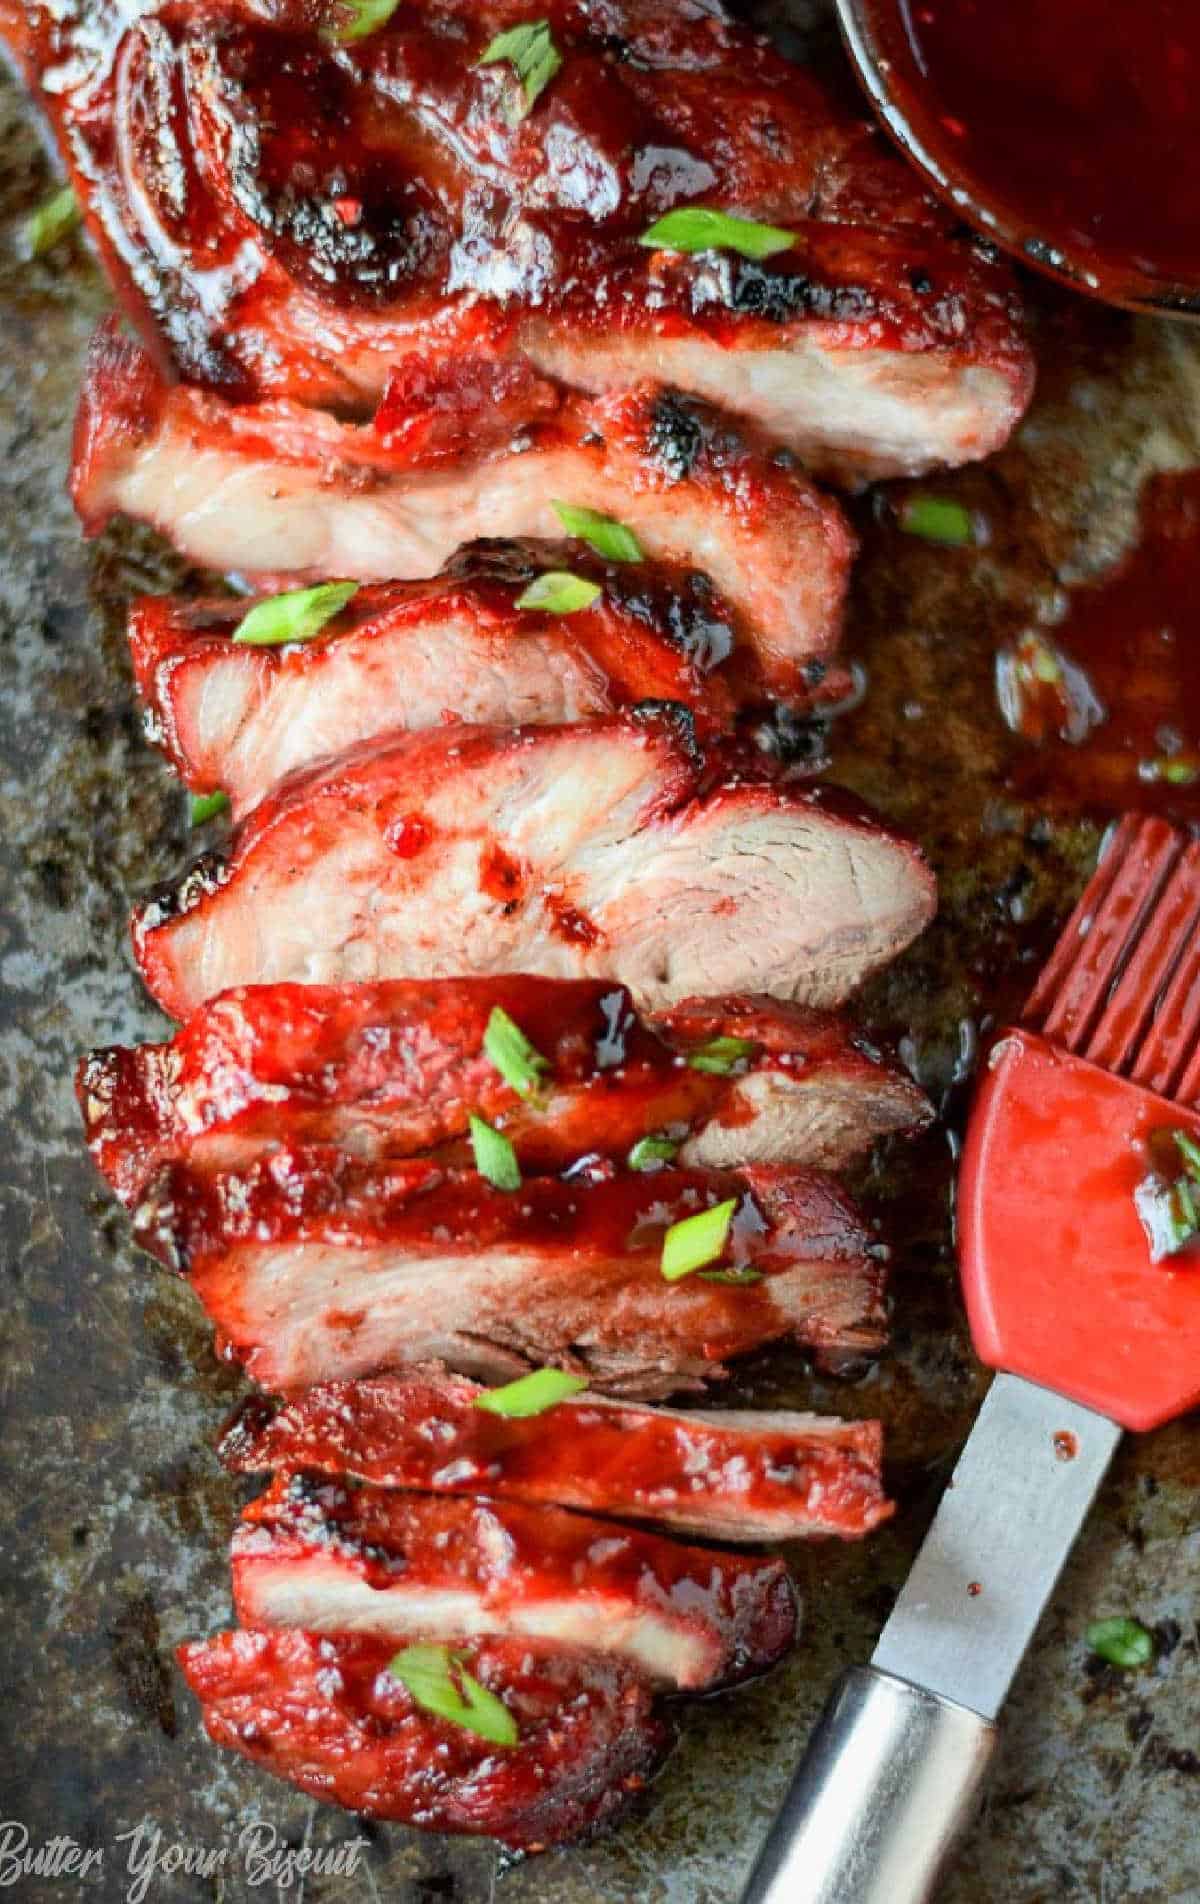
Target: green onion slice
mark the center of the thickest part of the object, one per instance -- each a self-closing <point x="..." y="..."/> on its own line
<point x="699" y="228"/>
<point x="558" y="592"/>
<point x="53" y="220"/>
<point x="531" y="1394"/>
<point x="438" y="1682"/>
<point x="736" y="1278"/>
<point x="1189" y="1150"/>
<point x="935" y="519"/>
<point x="521" y="1067"/>
<point x="1122" y="1642"/>
<point x="296" y="616"/>
<point x="721" y="1055"/>
<point x="649" y="1151"/>
<point x="358" y="18"/>
<point x="206" y="806"/>
<point x="530" y="50"/>
<point x="607" y="536"/>
<point x="495" y="1157"/>
<point x="697" y="1241"/>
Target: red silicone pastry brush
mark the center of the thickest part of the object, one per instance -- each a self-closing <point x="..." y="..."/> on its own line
<point x="1079" y="1153"/>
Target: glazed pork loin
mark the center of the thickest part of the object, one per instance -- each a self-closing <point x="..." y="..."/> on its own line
<point x="736" y="1475"/>
<point x="327" y="1713"/>
<point x="397" y="1069"/>
<point x="275" y="489"/>
<point x="609" y="849"/>
<point x="433" y="1568"/>
<point x="317" y="1268"/>
<point x="287" y="216"/>
<point x="239" y="717"/>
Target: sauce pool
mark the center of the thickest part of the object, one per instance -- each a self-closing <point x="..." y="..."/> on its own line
<point x="1076" y="124"/>
<point x="1110" y="700"/>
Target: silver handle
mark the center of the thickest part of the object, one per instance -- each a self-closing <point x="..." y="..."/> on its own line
<point x="888" y="1784"/>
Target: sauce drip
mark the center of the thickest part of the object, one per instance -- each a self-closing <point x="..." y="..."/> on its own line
<point x="1075" y="123"/>
<point x="1133" y="640"/>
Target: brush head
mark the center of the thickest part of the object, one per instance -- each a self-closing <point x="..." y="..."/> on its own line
<point x="1075" y="1113"/>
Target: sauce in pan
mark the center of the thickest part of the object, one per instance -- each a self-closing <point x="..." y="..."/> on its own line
<point x="1075" y="122"/>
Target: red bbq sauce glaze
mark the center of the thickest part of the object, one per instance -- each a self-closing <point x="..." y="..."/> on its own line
<point x="1131" y="639"/>
<point x="1075" y="124"/>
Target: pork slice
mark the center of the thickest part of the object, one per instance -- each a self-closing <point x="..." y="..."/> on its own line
<point x="737" y="1475"/>
<point x="313" y="1555"/>
<point x="397" y="1068"/>
<point x="607" y="849"/>
<point x="241" y="717"/>
<point x="325" y="1712"/>
<point x="278" y="489"/>
<point x="315" y="1268"/>
<point x="266" y="259"/>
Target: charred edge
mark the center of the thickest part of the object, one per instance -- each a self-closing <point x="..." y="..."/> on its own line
<point x="688" y="612"/>
<point x="754" y="289"/>
<point x="210" y="872"/>
<point x="678" y="718"/>
<point x="675" y="437"/>
<point x="243" y="1431"/>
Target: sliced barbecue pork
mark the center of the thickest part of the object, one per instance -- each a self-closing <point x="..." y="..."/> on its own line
<point x="421" y="1566"/>
<point x="609" y="849"/>
<point x="240" y="717"/>
<point x="275" y="488"/>
<point x="288" y="217"/>
<point x="735" y="1475"/>
<point x="398" y="1068"/>
<point x="325" y="1712"/>
<point x="316" y="1268"/>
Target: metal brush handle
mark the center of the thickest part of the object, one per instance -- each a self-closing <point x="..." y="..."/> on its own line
<point x="889" y="1782"/>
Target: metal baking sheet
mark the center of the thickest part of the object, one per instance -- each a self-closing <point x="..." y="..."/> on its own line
<point x="113" y="1514"/>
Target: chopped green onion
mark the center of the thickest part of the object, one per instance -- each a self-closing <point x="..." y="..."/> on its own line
<point x="721" y="1055"/>
<point x="559" y="593"/>
<point x="1168" y="1215"/>
<point x="521" y="1067"/>
<point x="602" y="533"/>
<point x="296" y="616"/>
<point x="1189" y="1150"/>
<point x="649" y="1151"/>
<point x="53" y="220"/>
<point x="206" y="806"/>
<point x="936" y="520"/>
<point x="360" y="18"/>
<point x="699" y="228"/>
<point x="531" y="1394"/>
<point x="736" y="1278"/>
<point x="534" y="58"/>
<point x="437" y="1681"/>
<point x="1122" y="1642"/>
<point x="697" y="1241"/>
<point x="495" y="1157"/>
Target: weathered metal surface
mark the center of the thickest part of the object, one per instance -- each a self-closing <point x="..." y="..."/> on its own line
<point x="113" y="1513"/>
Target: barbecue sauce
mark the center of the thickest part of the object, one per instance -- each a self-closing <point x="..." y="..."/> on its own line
<point x="1074" y="123"/>
<point x="1130" y="642"/>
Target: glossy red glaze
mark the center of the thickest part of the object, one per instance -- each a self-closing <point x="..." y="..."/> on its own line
<point x="241" y="718"/>
<point x="396" y="1068"/>
<point x="731" y="1476"/>
<point x="312" y="891"/>
<point x="1056" y="1266"/>
<point x="323" y="1711"/>
<point x="1132" y="633"/>
<point x="694" y="1617"/>
<point x="1074" y="124"/>
<point x="677" y="469"/>
<point x="284" y="218"/>
<point x="440" y="1263"/>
